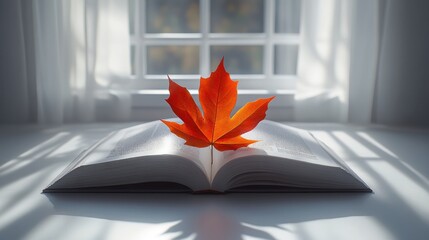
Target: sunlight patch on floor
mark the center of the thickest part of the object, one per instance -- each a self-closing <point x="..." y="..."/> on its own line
<point x="377" y="144"/>
<point x="356" y="147"/>
<point x="137" y="231"/>
<point x="11" y="211"/>
<point x="71" y="145"/>
<point x="328" y="229"/>
<point x="32" y="154"/>
<point x="406" y="188"/>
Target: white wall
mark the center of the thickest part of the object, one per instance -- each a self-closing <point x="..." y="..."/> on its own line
<point x="402" y="90"/>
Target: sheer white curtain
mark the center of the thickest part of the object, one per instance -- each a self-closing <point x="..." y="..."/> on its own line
<point x="82" y="54"/>
<point x="338" y="59"/>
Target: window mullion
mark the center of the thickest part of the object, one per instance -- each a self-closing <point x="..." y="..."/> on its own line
<point x="168" y="41"/>
<point x="269" y="32"/>
<point x="288" y="38"/>
<point x="139" y="34"/>
<point x="205" y="28"/>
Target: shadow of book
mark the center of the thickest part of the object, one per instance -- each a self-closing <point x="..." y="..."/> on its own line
<point x="221" y="216"/>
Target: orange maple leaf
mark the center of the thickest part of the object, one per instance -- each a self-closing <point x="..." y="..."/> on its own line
<point x="218" y="95"/>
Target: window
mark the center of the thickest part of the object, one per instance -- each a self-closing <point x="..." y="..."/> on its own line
<point x="187" y="38"/>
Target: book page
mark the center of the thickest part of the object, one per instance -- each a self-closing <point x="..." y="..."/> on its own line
<point x="280" y="141"/>
<point x="147" y="139"/>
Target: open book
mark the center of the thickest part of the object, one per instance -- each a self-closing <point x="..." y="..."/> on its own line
<point x="149" y="158"/>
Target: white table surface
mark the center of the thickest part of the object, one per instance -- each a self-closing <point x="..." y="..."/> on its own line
<point x="394" y="162"/>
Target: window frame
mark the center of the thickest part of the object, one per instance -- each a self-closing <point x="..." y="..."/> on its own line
<point x="267" y="39"/>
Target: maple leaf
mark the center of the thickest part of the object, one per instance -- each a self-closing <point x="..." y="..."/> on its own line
<point x="218" y="96"/>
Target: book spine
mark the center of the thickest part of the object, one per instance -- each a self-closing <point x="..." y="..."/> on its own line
<point x="208" y="191"/>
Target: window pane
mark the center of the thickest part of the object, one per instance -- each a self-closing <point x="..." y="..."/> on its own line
<point x="238" y="59"/>
<point x="172" y="16"/>
<point x="288" y="15"/>
<point x="286" y="59"/>
<point x="173" y="60"/>
<point x="237" y="16"/>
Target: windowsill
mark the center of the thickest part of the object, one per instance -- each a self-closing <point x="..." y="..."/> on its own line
<point x="156" y="98"/>
<point x="148" y="105"/>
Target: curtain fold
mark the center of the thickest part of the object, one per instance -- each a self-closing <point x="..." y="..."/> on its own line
<point x="82" y="52"/>
<point x="338" y="60"/>
<point x="112" y="47"/>
<point x="52" y="95"/>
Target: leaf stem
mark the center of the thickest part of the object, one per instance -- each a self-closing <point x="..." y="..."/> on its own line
<point x="211" y="163"/>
